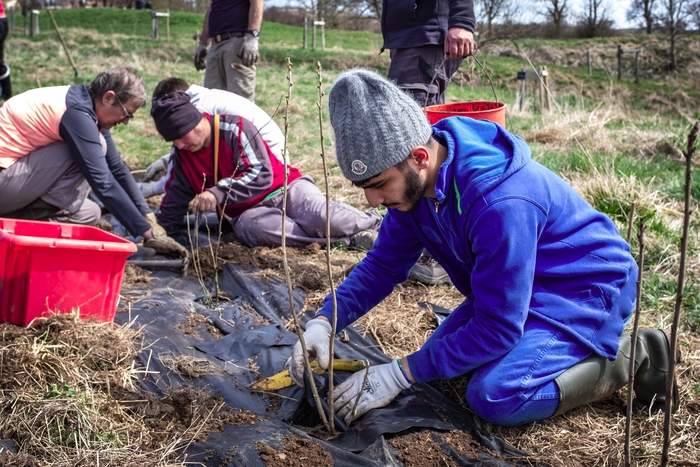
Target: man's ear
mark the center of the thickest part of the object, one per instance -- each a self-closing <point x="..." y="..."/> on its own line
<point x="108" y="98"/>
<point x="421" y="157"/>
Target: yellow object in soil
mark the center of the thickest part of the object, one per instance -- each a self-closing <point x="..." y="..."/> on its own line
<point x="282" y="379"/>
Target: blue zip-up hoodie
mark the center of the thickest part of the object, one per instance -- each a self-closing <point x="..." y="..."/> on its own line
<point x="515" y="239"/>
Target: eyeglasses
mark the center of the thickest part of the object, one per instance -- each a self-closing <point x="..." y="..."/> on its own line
<point x="127" y="115"/>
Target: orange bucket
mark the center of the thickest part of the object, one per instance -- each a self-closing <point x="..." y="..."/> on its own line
<point x="478" y="110"/>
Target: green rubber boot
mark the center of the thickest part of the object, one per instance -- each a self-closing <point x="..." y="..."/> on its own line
<point x="596" y="377"/>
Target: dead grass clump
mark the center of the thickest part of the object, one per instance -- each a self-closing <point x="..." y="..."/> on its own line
<point x="672" y="103"/>
<point x="578" y="128"/>
<point x="190" y="367"/>
<point x="17" y="460"/>
<point x="67" y="398"/>
<point x="613" y="194"/>
<point x="399" y="325"/>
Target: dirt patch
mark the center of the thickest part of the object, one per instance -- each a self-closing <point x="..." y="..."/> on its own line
<point x="307" y="266"/>
<point x="420" y="450"/>
<point x="190" y="326"/>
<point x="465" y="445"/>
<point x="135" y="275"/>
<point x="297" y="452"/>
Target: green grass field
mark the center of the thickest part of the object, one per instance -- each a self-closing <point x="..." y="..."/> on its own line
<point x="617" y="142"/>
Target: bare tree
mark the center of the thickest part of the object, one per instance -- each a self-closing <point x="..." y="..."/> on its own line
<point x="491" y="10"/>
<point x="555" y="11"/>
<point x="673" y="16"/>
<point x="694" y="13"/>
<point x="595" y="17"/>
<point x="642" y="11"/>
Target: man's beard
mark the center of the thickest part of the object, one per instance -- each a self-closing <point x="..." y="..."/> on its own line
<point x="415" y="190"/>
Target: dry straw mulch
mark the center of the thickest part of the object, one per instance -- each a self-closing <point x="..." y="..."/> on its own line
<point x="69" y="397"/>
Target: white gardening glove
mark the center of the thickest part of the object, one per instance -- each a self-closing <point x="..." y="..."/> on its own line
<point x="317" y="337"/>
<point x="159" y="167"/>
<point x="249" y="51"/>
<point x="200" y="57"/>
<point x="384" y="383"/>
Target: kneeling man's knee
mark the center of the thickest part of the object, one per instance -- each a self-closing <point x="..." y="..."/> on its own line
<point x="492" y="403"/>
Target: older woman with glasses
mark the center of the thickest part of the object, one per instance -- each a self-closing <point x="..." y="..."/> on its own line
<point x="55" y="145"/>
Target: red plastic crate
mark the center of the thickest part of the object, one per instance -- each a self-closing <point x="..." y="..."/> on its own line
<point x="48" y="267"/>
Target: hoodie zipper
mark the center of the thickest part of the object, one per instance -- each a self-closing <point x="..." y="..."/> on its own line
<point x="436" y="206"/>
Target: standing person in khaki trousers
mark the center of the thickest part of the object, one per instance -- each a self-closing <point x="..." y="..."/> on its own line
<point x="233" y="26"/>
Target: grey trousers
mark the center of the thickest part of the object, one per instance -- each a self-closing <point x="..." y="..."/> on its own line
<point x="306" y="219"/>
<point x="408" y="70"/>
<point x="225" y="70"/>
<point x="48" y="173"/>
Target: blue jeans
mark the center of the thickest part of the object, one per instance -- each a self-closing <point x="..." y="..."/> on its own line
<point x="520" y="386"/>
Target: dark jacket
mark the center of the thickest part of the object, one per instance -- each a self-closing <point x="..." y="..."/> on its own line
<point x="415" y="23"/>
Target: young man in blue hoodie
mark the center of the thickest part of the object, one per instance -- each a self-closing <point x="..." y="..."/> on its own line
<point x="549" y="283"/>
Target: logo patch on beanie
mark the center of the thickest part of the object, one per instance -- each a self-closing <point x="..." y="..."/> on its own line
<point x="358" y="167"/>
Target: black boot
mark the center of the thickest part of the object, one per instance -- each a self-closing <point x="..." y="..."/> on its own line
<point x="37" y="210"/>
<point x="597" y="377"/>
<point x="5" y="84"/>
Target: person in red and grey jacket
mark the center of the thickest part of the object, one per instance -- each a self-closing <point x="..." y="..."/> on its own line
<point x="250" y="181"/>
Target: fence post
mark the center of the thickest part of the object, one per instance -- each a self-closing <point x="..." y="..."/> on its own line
<point x="590" y="63"/>
<point x="521" y="78"/>
<point x="306" y="28"/>
<point x="313" y="36"/>
<point x="619" y="62"/>
<point x="12" y="17"/>
<point x="34" y="26"/>
<point x="154" y="25"/>
<point x="323" y="34"/>
<point x="636" y="67"/>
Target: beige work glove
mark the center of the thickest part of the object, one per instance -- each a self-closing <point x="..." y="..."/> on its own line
<point x="158" y="230"/>
<point x="160" y="241"/>
<point x="249" y="51"/>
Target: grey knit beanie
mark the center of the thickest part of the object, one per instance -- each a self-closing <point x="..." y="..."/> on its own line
<point x="376" y="124"/>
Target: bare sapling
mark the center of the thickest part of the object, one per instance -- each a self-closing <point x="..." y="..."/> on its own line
<point x="670" y="381"/>
<point x="285" y="263"/>
<point x="631" y="224"/>
<point x="221" y="211"/>
<point x="334" y="322"/>
<point x="194" y="251"/>
<point x="635" y="331"/>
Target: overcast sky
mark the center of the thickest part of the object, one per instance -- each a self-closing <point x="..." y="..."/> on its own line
<point x="617" y="9"/>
